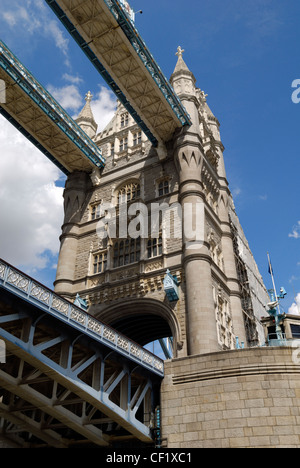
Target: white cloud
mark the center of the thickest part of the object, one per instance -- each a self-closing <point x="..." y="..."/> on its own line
<point x="72" y="79"/>
<point x="103" y="107"/>
<point x="72" y="100"/>
<point x="296" y="231"/>
<point x="68" y="96"/>
<point x="31" y="205"/>
<point x="295" y="307"/>
<point x="236" y="192"/>
<point x="53" y="30"/>
<point x="36" y="18"/>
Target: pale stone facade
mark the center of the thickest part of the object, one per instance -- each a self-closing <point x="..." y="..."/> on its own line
<point x="236" y="399"/>
<point x="122" y="278"/>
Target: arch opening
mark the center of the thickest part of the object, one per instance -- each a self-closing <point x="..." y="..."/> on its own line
<point x="145" y="321"/>
<point x="143" y="328"/>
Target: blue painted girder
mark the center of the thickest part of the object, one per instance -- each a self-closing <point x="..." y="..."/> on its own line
<point x="36" y="94"/>
<point x="159" y="82"/>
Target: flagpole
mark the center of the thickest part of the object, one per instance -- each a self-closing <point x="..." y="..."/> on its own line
<point x="295" y="297"/>
<point x="273" y="280"/>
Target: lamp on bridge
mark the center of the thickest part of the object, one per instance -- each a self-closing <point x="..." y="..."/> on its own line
<point x="171" y="287"/>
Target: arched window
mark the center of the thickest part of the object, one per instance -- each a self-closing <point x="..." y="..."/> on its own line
<point x="126" y="252"/>
<point x="124" y="120"/>
<point x="129" y="193"/>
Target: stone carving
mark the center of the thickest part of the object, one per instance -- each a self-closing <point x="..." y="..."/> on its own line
<point x="157" y="265"/>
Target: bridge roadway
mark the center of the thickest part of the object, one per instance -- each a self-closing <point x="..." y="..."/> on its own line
<point x="107" y="35"/>
<point x="36" y="114"/>
<point x="109" y="38"/>
<point x="68" y="379"/>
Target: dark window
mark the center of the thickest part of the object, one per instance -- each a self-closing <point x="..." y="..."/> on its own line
<point x="129" y="193"/>
<point x="126" y="252"/>
<point x="96" y="209"/>
<point x="154" y="247"/>
<point x="163" y="188"/>
<point x="295" y="329"/>
<point x="100" y="263"/>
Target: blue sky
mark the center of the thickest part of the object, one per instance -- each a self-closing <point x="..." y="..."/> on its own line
<point x="244" y="56"/>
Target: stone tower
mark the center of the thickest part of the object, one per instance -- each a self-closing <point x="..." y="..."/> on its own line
<point x="149" y="212"/>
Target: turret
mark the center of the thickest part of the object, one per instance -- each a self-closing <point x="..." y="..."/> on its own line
<point x="86" y="118"/>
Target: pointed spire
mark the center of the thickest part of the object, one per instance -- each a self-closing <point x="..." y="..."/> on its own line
<point x="182" y="78"/>
<point x="86" y="118"/>
<point x="181" y="65"/>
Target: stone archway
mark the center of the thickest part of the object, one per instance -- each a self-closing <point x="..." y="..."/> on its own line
<point x="143" y="321"/>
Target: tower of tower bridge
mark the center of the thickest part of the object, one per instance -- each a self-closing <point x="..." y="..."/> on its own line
<point x="122" y="276"/>
<point x="151" y="248"/>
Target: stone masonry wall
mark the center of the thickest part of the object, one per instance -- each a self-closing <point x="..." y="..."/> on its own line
<point x="236" y="399"/>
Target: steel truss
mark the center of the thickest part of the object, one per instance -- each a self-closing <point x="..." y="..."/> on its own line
<point x="60" y="387"/>
<point x="114" y="46"/>
<point x="34" y="112"/>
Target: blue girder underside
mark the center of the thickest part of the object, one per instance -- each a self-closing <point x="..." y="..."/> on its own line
<point x="33" y="140"/>
<point x="42" y="298"/>
<point x="42" y="98"/>
<point x="144" y="54"/>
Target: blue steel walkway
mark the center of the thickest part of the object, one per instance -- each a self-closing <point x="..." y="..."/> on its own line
<point x="36" y="114"/>
<point x="68" y="378"/>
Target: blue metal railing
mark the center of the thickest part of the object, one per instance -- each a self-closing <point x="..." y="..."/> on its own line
<point x="282" y="340"/>
<point x="144" y="54"/>
<point x="26" y="81"/>
<point x="32" y="291"/>
<point x="148" y="60"/>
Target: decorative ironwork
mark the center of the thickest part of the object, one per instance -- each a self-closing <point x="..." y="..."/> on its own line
<point x="24" y="286"/>
<point x="60" y="305"/>
<point x="95" y="326"/>
<point x="40" y="293"/>
<point x="18" y="280"/>
<point x="2" y="270"/>
<point x="78" y="316"/>
<point x="76" y="383"/>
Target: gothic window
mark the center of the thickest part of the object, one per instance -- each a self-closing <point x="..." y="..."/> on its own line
<point x="216" y="249"/>
<point x="154" y="247"/>
<point x="164" y="187"/>
<point x="224" y="321"/>
<point x="123" y="144"/>
<point x="137" y="138"/>
<point x="95" y="211"/>
<point x="129" y="192"/>
<point x="112" y="149"/>
<point x="124" y="120"/>
<point x="126" y="252"/>
<point x="100" y="263"/>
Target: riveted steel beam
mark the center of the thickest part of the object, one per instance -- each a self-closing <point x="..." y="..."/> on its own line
<point x="32" y="109"/>
<point x="56" y="369"/>
<point x="110" y="40"/>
